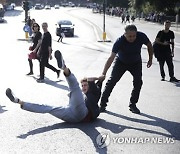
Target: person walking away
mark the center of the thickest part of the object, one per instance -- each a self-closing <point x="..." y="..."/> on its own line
<point x="133" y="18"/>
<point x="44" y="53"/>
<point x="165" y="41"/>
<point x="128" y="51"/>
<point x="127" y="18"/>
<point x="29" y="23"/>
<point x="123" y="18"/>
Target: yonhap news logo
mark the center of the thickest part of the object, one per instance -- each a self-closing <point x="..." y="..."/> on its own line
<point x="104" y="139"/>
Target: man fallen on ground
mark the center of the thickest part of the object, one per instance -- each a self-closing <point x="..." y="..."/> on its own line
<point x="83" y="102"/>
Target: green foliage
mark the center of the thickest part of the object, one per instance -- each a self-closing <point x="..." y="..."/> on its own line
<point x="166" y="6"/>
<point x="147" y="7"/>
<point x="119" y="3"/>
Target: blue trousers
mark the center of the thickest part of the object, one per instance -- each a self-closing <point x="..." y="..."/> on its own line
<point x="75" y="111"/>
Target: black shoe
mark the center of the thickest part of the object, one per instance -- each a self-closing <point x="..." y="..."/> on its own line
<point x="40" y="80"/>
<point x="59" y="59"/>
<point x="134" y="109"/>
<point x="30" y="73"/>
<point x="102" y="108"/>
<point x="162" y="79"/>
<point x="173" y="79"/>
<point x="11" y="96"/>
<point x="58" y="73"/>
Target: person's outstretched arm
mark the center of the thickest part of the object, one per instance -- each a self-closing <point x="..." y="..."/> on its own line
<point x="107" y="65"/>
<point x="150" y="52"/>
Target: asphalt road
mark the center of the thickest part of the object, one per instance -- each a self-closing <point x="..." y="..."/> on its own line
<point x="156" y="130"/>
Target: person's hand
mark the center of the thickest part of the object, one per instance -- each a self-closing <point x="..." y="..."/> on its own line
<point x="166" y="43"/>
<point x="30" y="48"/>
<point x="149" y="63"/>
<point x="172" y="53"/>
<point x="102" y="78"/>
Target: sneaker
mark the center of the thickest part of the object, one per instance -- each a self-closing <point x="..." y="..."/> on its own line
<point x="11" y="96"/>
<point x="102" y="108"/>
<point x="40" y="80"/>
<point x="134" y="109"/>
<point x="58" y="73"/>
<point x="59" y="59"/>
<point x="30" y="73"/>
<point x="173" y="79"/>
<point x="162" y="79"/>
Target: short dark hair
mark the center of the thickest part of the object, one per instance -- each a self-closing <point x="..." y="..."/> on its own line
<point x="167" y="21"/>
<point x="130" y="28"/>
<point x="84" y="80"/>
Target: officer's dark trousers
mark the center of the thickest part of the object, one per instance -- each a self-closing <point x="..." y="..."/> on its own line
<point x="119" y="69"/>
<point x="44" y="62"/>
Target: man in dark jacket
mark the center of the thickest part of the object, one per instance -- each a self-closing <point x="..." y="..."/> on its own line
<point x="83" y="102"/>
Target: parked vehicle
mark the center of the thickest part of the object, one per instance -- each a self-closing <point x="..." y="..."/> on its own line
<point x="2" y="11"/>
<point x="56" y="6"/>
<point x="47" y="7"/>
<point x="38" y="6"/>
<point x="9" y="8"/>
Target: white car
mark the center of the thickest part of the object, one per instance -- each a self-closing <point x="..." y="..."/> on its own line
<point x="9" y="8"/>
<point x="56" y="6"/>
<point x="38" y="6"/>
<point x="47" y="7"/>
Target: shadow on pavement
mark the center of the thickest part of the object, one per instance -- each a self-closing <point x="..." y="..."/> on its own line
<point x="24" y="39"/>
<point x="170" y="126"/>
<point x="177" y="84"/>
<point x="1" y="109"/>
<point x="53" y="83"/>
<point x="88" y="128"/>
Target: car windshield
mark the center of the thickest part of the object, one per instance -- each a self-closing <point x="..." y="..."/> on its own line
<point x="38" y="4"/>
<point x="65" y="22"/>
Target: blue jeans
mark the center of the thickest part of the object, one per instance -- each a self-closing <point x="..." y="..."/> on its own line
<point x="119" y="69"/>
<point x="75" y="111"/>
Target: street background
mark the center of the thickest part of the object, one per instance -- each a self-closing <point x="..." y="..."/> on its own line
<point x="25" y="132"/>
